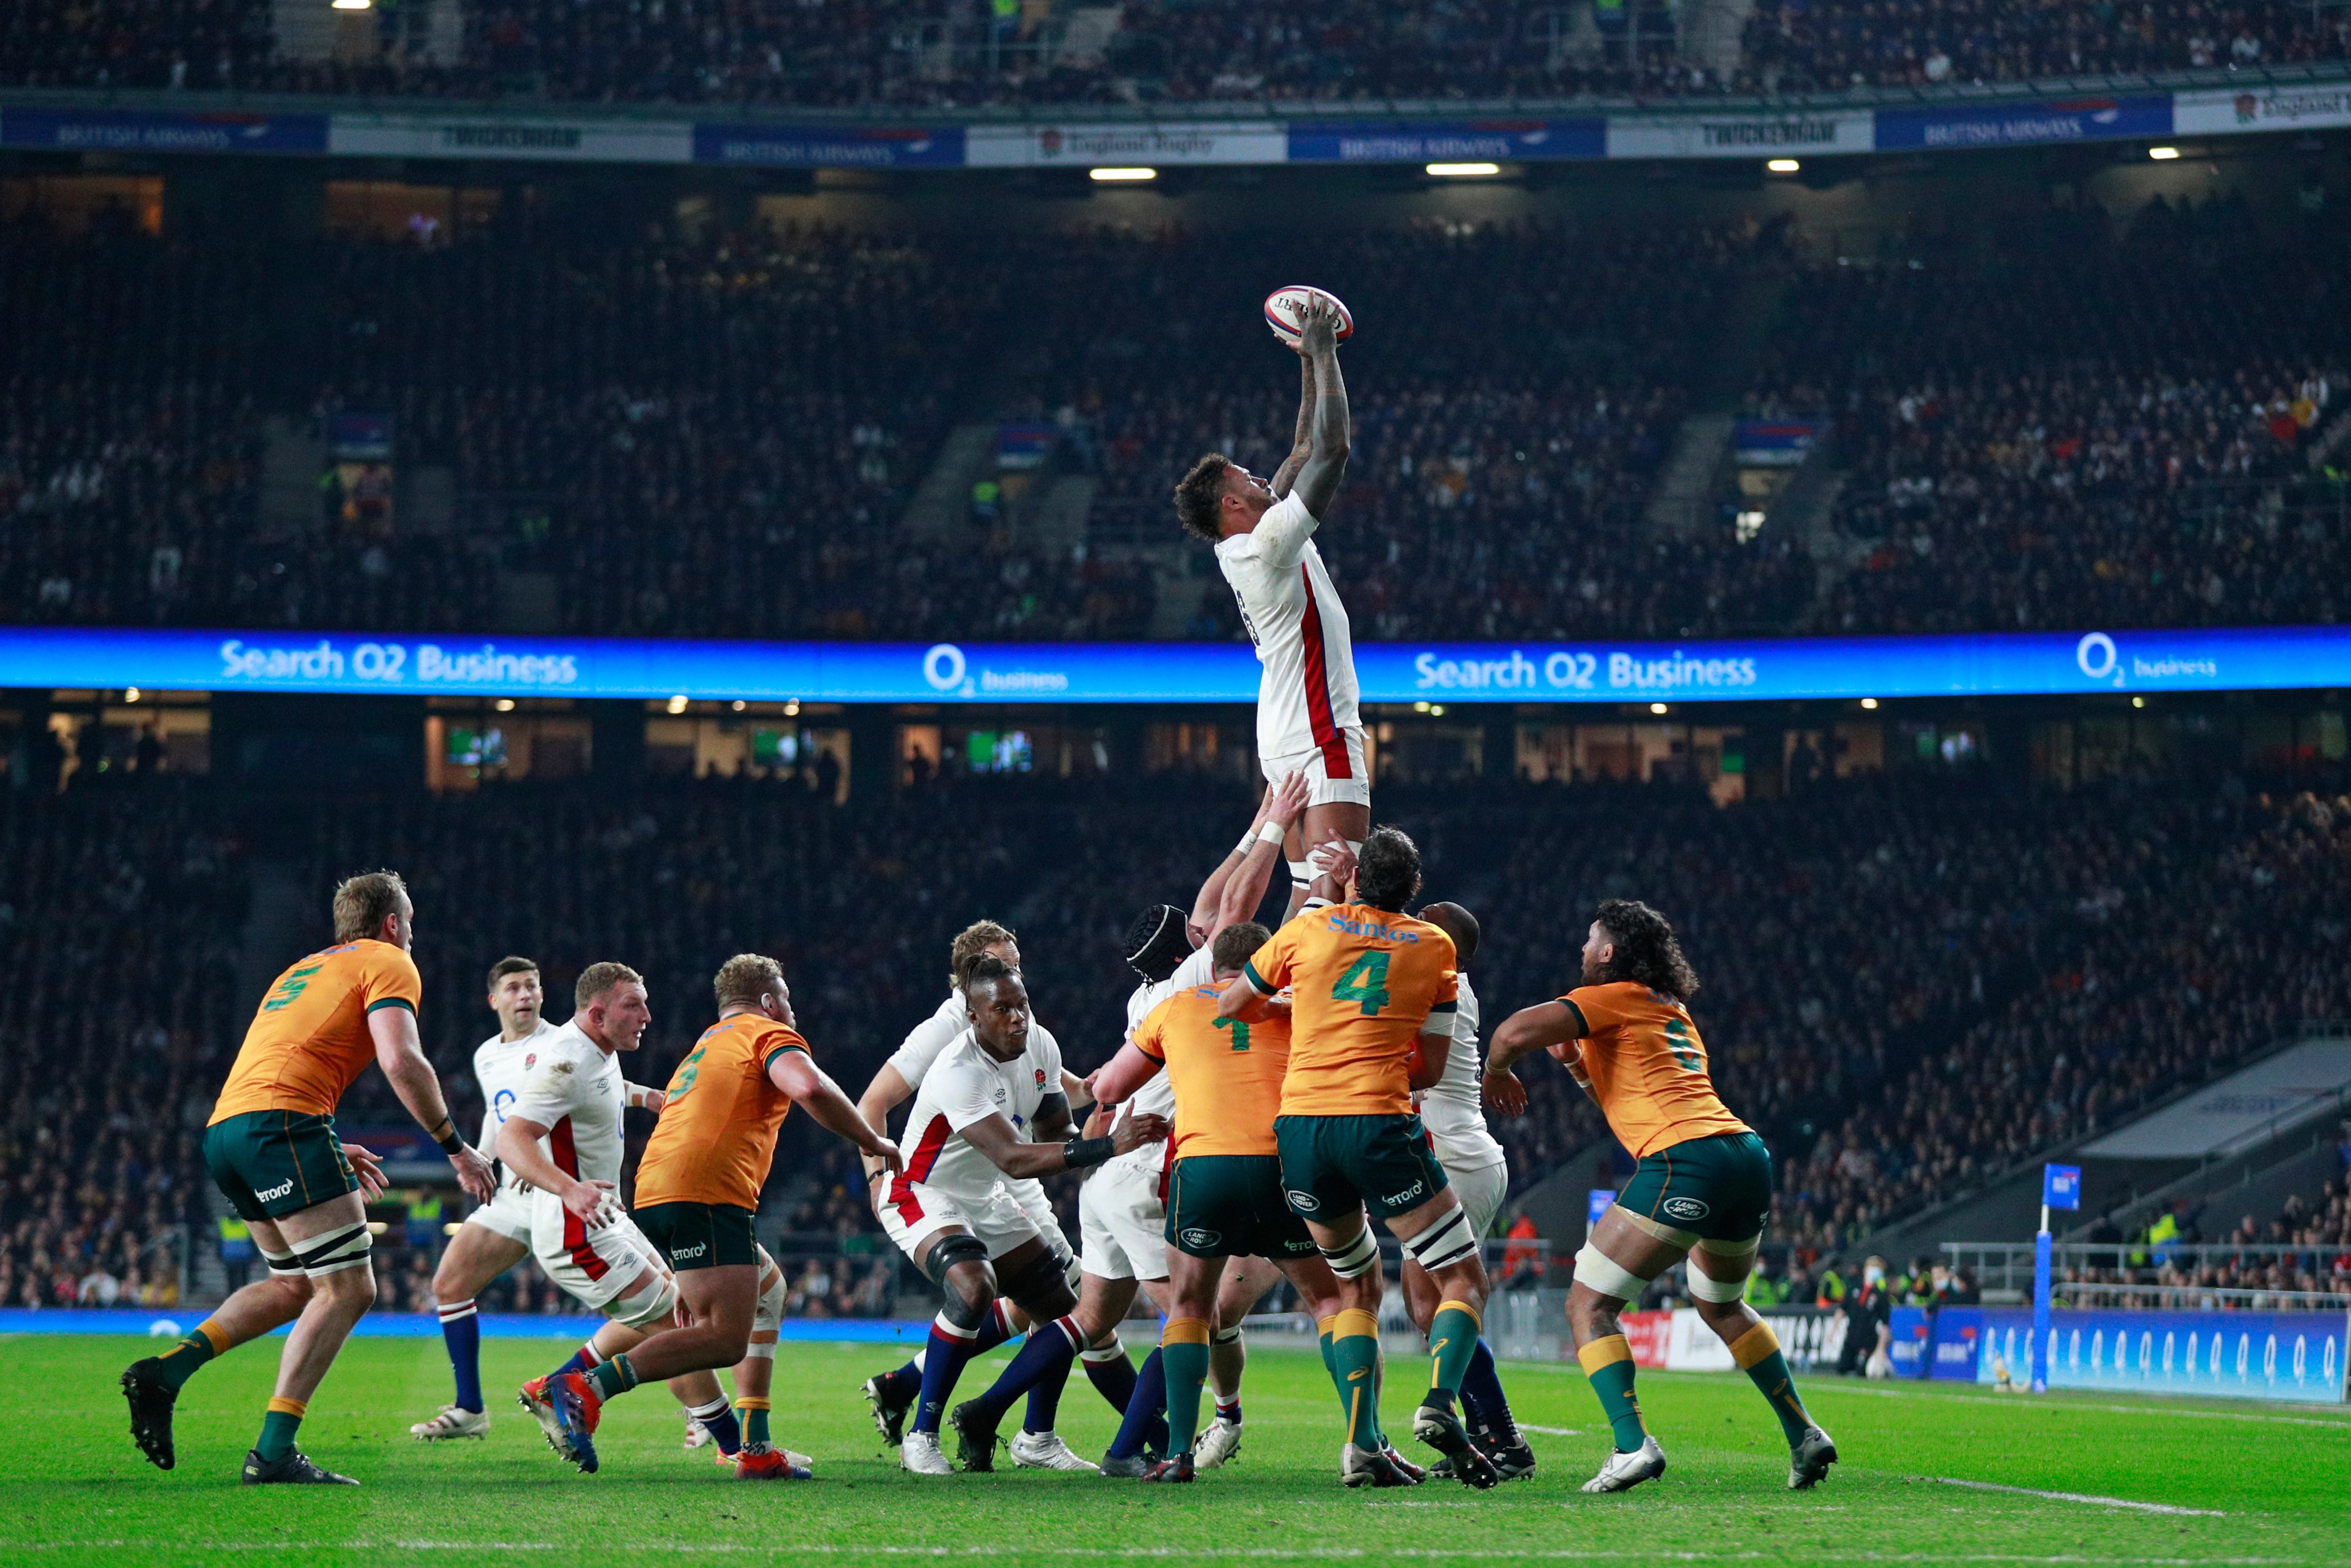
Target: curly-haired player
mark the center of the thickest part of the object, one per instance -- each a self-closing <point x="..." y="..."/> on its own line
<point x="1701" y="1191"/>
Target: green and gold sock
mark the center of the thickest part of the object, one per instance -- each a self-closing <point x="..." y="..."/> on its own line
<point x="199" y="1345"/>
<point x="1758" y="1354"/>
<point x="1183" y="1358"/>
<point x="1608" y="1366"/>
<point x="1355" y="1371"/>
<point x="613" y="1378"/>
<point x="1326" y="1327"/>
<point x="1452" y="1342"/>
<point x="755" y="1422"/>
<point x="278" y="1427"/>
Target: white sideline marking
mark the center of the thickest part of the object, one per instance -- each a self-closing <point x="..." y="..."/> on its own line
<point x="2077" y="1496"/>
<point x="2016" y="1403"/>
<point x="1551" y="1431"/>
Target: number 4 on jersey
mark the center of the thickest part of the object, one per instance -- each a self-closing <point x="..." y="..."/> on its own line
<point x="1366" y="980"/>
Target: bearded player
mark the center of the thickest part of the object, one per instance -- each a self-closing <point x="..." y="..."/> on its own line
<point x="1307" y="718"/>
<point x="1702" y="1190"/>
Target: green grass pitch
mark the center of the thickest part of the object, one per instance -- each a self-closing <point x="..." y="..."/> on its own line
<point x="2272" y="1484"/>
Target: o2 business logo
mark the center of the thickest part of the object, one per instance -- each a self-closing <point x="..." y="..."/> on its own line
<point x="2097" y="657"/>
<point x="945" y="670"/>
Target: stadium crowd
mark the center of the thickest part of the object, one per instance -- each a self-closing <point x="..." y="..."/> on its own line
<point x="780" y="53"/>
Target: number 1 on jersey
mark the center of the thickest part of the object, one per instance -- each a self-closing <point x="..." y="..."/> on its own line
<point x="1371" y="971"/>
<point x="1240" y="1032"/>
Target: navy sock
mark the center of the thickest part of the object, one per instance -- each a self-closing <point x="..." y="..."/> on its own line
<point x="461" y="1331"/>
<point x="1045" y="1400"/>
<point x="1482" y="1399"/>
<point x="1228" y="1410"/>
<point x="1146" y="1412"/>
<point x="583" y="1359"/>
<point x="718" y="1416"/>
<point x="1114" y="1379"/>
<point x="943" y="1358"/>
<point x="1047" y="1352"/>
<point x="901" y="1386"/>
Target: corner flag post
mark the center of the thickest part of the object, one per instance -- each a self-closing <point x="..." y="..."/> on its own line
<point x="2060" y="1188"/>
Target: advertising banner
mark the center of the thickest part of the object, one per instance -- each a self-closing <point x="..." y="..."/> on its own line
<point x="1447" y="141"/>
<point x="1946" y="126"/>
<point x="1742" y="135"/>
<point x="1650" y="1334"/>
<point x="142" y="131"/>
<point x="581" y="141"/>
<point x="1774" y="443"/>
<point x="829" y="147"/>
<point x="2248" y="658"/>
<point x="2297" y="1356"/>
<point x="1911" y="1348"/>
<point x="1084" y="146"/>
<point x="2242" y="1111"/>
<point x="2226" y="111"/>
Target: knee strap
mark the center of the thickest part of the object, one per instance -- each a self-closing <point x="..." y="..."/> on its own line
<point x="1597" y="1271"/>
<point x="1662" y="1232"/>
<point x="335" y="1252"/>
<point x="1357" y="1259"/>
<point x="283" y="1263"/>
<point x="768" y="1317"/>
<point x="1035" y="1277"/>
<point x="1705" y="1288"/>
<point x="1445" y="1243"/>
<point x="649" y="1307"/>
<point x="961" y="1248"/>
<point x="1746" y="1248"/>
<point x="1072" y="1268"/>
<point x="1226" y="1336"/>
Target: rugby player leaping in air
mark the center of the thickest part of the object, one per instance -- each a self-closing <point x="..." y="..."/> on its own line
<point x="1307" y="719"/>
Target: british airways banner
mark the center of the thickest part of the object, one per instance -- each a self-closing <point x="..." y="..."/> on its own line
<point x="1444" y="141"/>
<point x="1952" y="126"/>
<point x="2004" y="664"/>
<point x="138" y="130"/>
<point x="2294" y="1356"/>
<point x="829" y="147"/>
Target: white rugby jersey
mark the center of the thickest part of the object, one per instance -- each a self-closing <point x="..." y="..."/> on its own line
<point x="925" y="1041"/>
<point x="1158" y="1095"/>
<point x="577" y="1091"/>
<point x="1306" y="693"/>
<point x="1452" y="1109"/>
<point x="499" y="1071"/>
<point x="965" y="1085"/>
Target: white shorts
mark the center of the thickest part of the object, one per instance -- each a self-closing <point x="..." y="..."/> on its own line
<point x="925" y="1211"/>
<point x="1482" y="1189"/>
<point x="1346" y="749"/>
<point x="1030" y="1194"/>
<point x="507" y="1213"/>
<point x="593" y="1265"/>
<point x="1124" y="1223"/>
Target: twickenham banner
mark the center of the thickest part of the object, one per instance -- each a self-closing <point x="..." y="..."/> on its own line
<point x="1743" y="135"/>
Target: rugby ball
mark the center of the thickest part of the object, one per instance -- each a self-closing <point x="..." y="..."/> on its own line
<point x="1281" y="307"/>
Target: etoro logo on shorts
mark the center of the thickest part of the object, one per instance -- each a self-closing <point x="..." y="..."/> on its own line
<point x="1687" y="1208"/>
<point x="1304" y="1203"/>
<point x="1415" y="1190"/>
<point x="680" y="1254"/>
<point x="266" y="1195"/>
<point x="1194" y="1236"/>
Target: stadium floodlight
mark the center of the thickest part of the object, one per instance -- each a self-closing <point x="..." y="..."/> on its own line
<point x="1870" y="703"/>
<point x="352" y="4"/>
<point x="1658" y="708"/>
<point x="504" y="705"/>
<point x="1122" y="176"/>
<point x="1783" y="166"/>
<point x="677" y="704"/>
<point x="2163" y="154"/>
<point x="131" y="694"/>
<point x="1464" y="171"/>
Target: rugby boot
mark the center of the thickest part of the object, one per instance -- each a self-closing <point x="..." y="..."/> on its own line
<point x="889" y="1411"/>
<point x="1358" y="1467"/>
<point x="1218" y="1445"/>
<point x="151" y="1399"/>
<point x="454" y="1421"/>
<point x="1176" y="1471"/>
<point x="769" y="1464"/>
<point x="976" y="1437"/>
<point x="1046" y="1451"/>
<point x="1440" y="1429"/>
<point x="919" y="1454"/>
<point x="1809" y="1461"/>
<point x="577" y="1407"/>
<point x="292" y="1468"/>
<point x="1622" y="1472"/>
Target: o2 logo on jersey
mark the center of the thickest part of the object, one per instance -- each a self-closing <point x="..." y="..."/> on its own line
<point x="1194" y="1236"/>
<point x="502" y="1105"/>
<point x="1687" y="1208"/>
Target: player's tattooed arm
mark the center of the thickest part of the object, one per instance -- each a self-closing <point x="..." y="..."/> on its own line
<point x="1301" y="444"/>
<point x="1331" y="429"/>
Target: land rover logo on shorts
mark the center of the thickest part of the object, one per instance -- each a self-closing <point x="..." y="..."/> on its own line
<point x="1304" y="1203"/>
<point x="1193" y="1236"/>
<point x="1687" y="1208"/>
<point x="280" y="1191"/>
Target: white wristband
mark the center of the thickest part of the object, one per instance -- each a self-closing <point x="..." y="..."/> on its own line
<point x="1249" y="841"/>
<point x="1271" y="833"/>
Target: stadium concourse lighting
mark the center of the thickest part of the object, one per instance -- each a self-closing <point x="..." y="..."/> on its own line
<point x="1656" y="707"/>
<point x="2163" y="154"/>
<point x="1783" y="166"/>
<point x="352" y="4"/>
<point x="1464" y="171"/>
<point x="677" y="704"/>
<point x="504" y="705"/>
<point x="131" y="694"/>
<point x="1122" y="176"/>
<point x="1870" y="703"/>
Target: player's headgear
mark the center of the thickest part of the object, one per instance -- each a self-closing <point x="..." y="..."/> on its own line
<point x="1156" y="942"/>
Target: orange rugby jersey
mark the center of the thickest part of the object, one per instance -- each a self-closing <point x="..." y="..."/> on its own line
<point x="717" y="1130"/>
<point x="1226" y="1075"/>
<point x="308" y="1041"/>
<point x="1363" y="982"/>
<point x="1648" y="1067"/>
